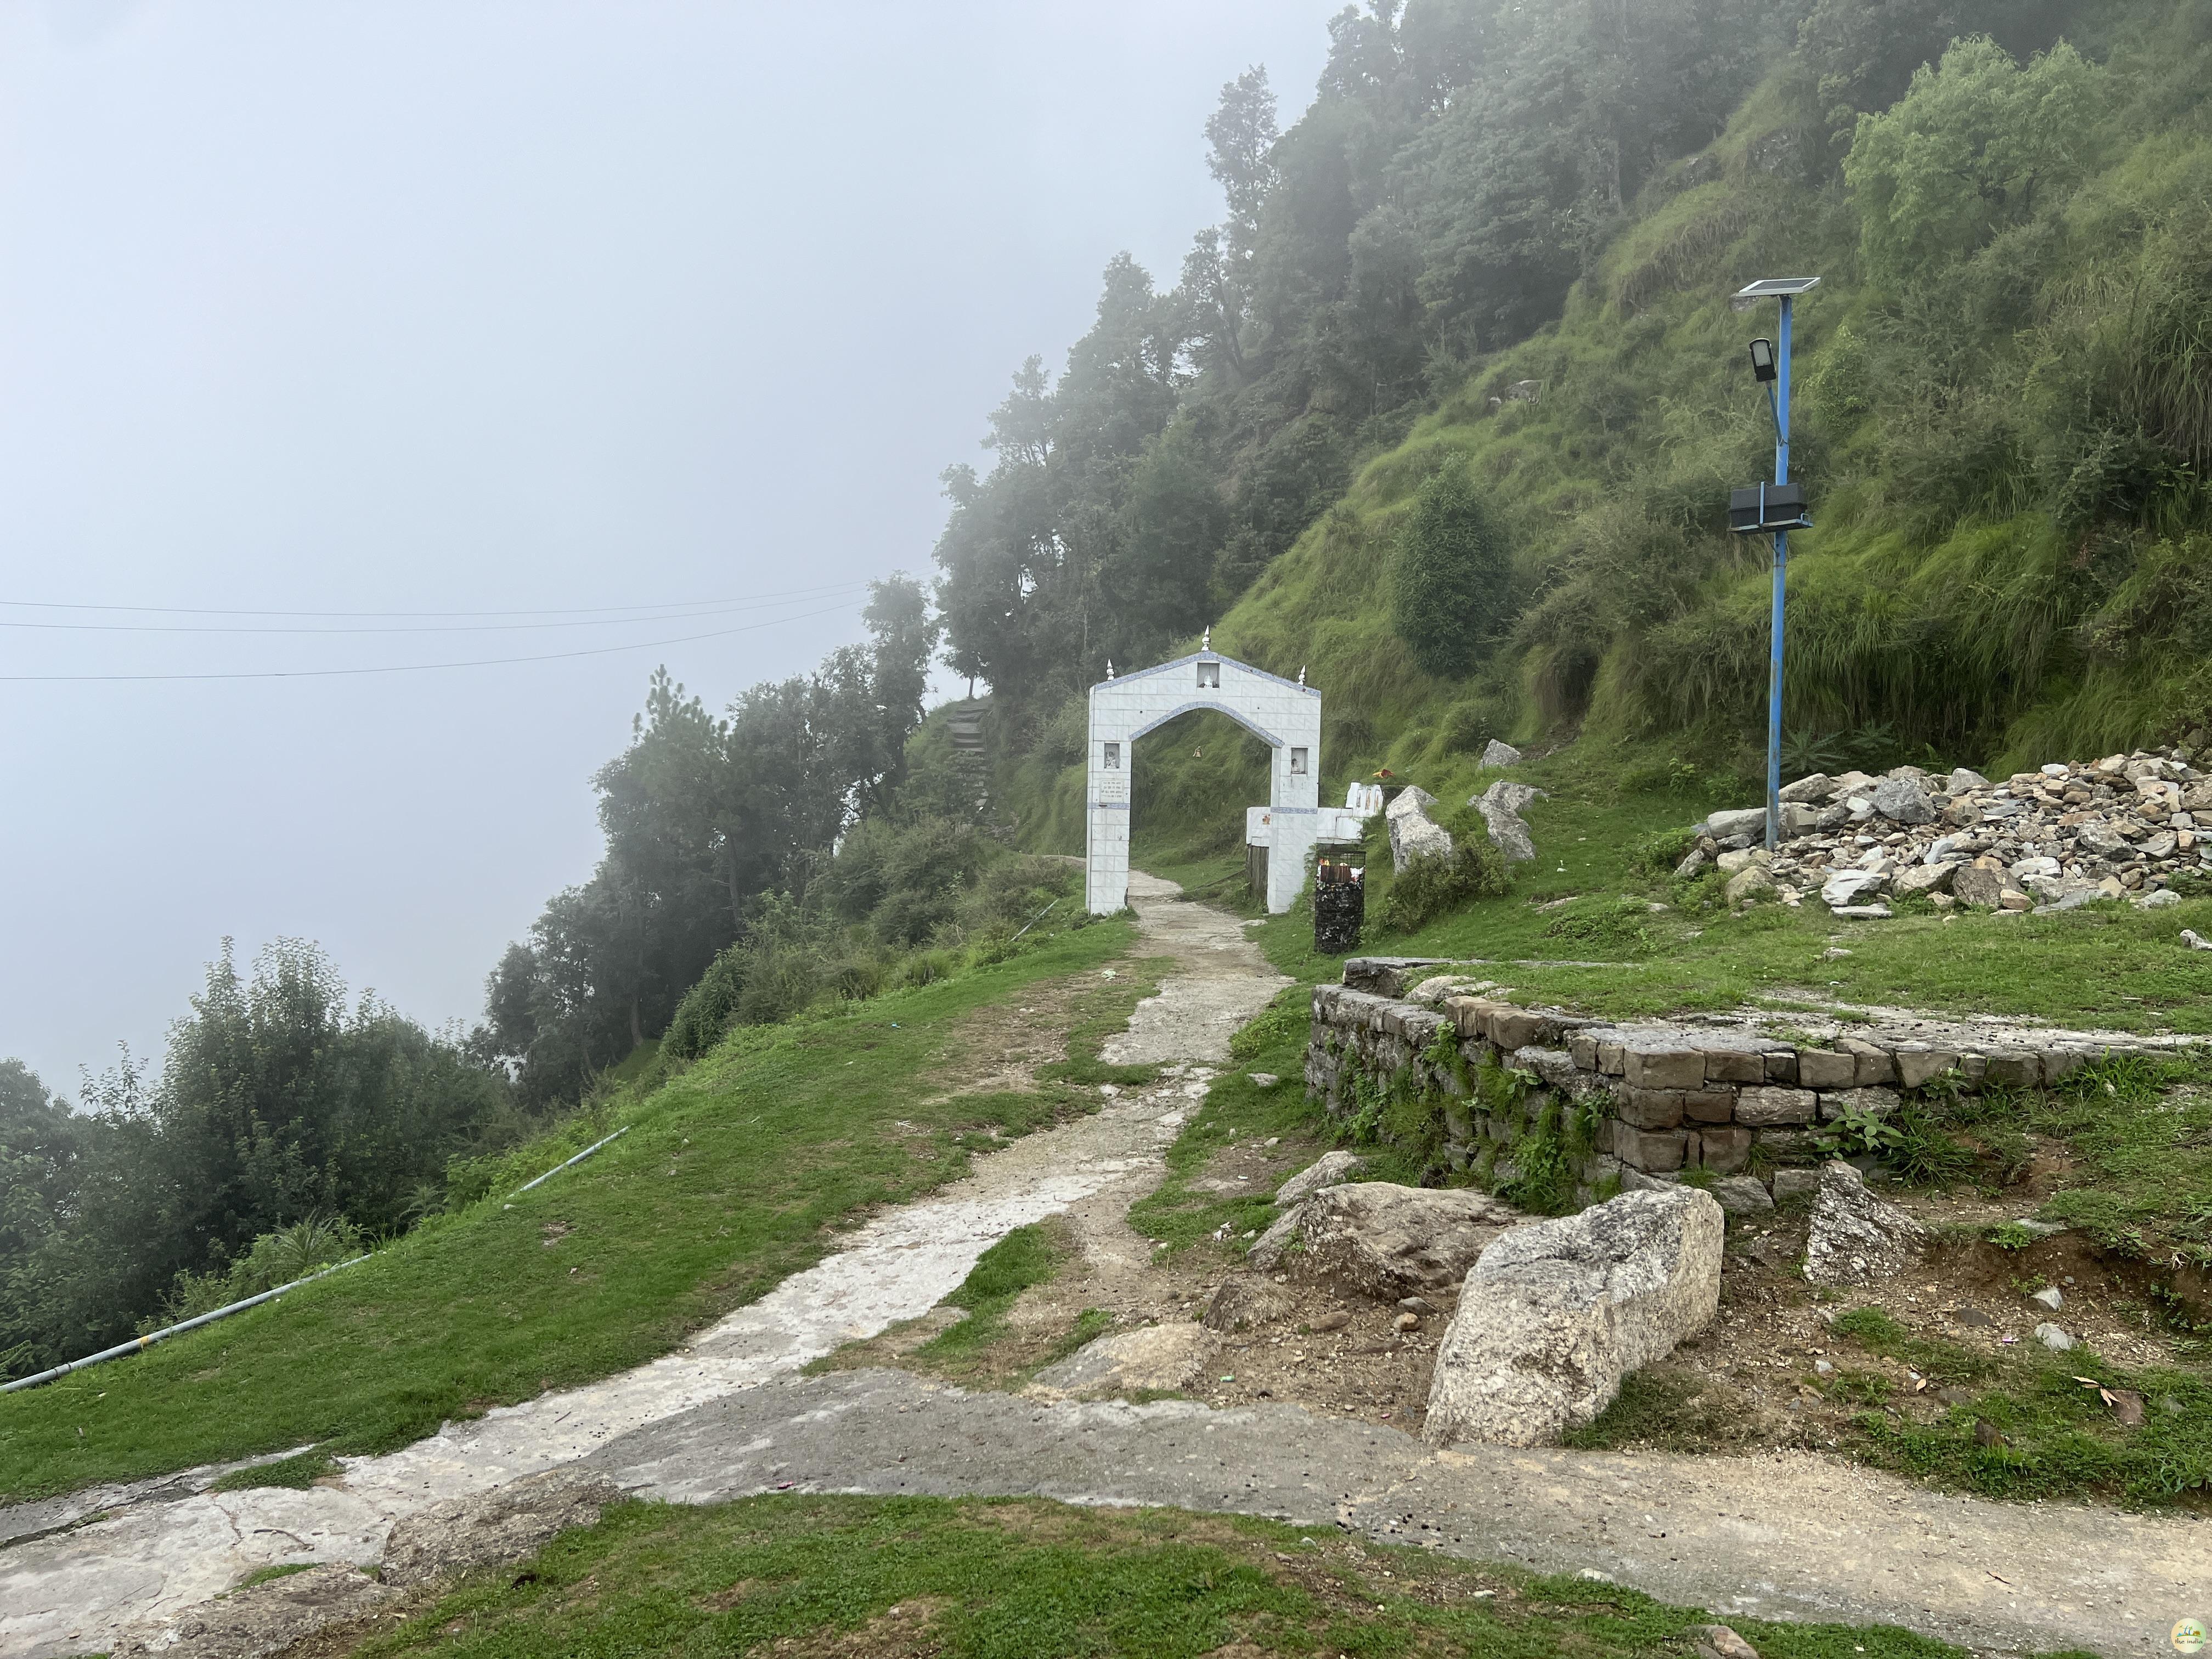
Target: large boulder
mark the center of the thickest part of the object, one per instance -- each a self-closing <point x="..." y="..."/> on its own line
<point x="1501" y="805"/>
<point x="1495" y="753"/>
<point x="1157" y="1357"/>
<point x="1556" y="1312"/>
<point x="1413" y="832"/>
<point x="1371" y="1238"/>
<point x="1855" y="1237"/>
<point x="1326" y="1171"/>
<point x="1815" y="790"/>
<point x="505" y="1524"/>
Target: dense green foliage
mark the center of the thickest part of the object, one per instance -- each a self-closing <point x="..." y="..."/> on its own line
<point x="707" y="818"/>
<point x="279" y="1102"/>
<point x="1498" y="246"/>
<point x="1451" y="589"/>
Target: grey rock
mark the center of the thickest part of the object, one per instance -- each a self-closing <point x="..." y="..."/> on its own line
<point x="1862" y="912"/>
<point x="504" y="1524"/>
<point x="1374" y="1239"/>
<point x="1326" y="1171"/>
<point x="1745" y="821"/>
<point x="1268" y="1249"/>
<point x="2158" y="898"/>
<point x="2053" y="1337"/>
<point x="1413" y="832"/>
<point x="266" y="1619"/>
<point x="1963" y="813"/>
<point x="1556" y="1312"/>
<point x="1243" y="1300"/>
<point x="1795" y="1183"/>
<point x="1741" y="1194"/>
<point x="1169" y="1357"/>
<point x="1692" y="865"/>
<point x="2098" y="836"/>
<point x="1962" y="781"/>
<point x="1495" y="753"/>
<point x="1748" y="883"/>
<point x="1902" y="800"/>
<point x="1853" y="886"/>
<point x="2051" y="1297"/>
<point x="1501" y="806"/>
<point x="1730" y="863"/>
<point x="2194" y="940"/>
<point x="1925" y="879"/>
<point x="1719" y="1642"/>
<point x="1812" y="790"/>
<point x="1979" y="886"/>
<point x="1855" y="1237"/>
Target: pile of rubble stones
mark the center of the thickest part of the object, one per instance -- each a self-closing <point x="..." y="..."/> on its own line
<point x="2121" y="828"/>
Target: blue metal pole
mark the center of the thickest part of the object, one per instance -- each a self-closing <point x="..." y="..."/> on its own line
<point x="1781" y="579"/>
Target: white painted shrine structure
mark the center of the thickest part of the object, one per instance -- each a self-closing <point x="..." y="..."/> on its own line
<point x="1282" y="713"/>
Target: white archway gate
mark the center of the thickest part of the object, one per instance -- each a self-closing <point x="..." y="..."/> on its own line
<point x="1283" y="714"/>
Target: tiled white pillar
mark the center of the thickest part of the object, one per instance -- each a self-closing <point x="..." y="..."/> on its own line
<point x="1287" y="716"/>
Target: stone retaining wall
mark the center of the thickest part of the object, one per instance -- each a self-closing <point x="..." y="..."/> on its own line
<point x="1725" y="1095"/>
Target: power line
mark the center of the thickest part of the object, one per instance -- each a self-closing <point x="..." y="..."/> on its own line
<point x="578" y="611"/>
<point x="461" y="628"/>
<point x="413" y="667"/>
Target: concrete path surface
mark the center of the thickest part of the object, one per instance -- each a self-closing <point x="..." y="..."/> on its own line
<point x="727" y="1414"/>
<point x="1777" y="1537"/>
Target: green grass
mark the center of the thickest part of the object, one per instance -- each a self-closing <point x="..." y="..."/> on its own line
<point x="1017" y="1579"/>
<point x="2107" y="966"/>
<point x="297" y="1472"/>
<point x="735" y="1173"/>
<point x="2057" y="1437"/>
<point x="1026" y="1256"/>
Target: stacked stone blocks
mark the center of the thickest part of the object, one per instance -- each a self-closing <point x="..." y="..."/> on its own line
<point x="1675" y="1097"/>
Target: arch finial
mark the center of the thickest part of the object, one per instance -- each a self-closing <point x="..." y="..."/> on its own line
<point x="1109" y="668"/>
<point x="1302" y="676"/>
<point x="1206" y="639"/>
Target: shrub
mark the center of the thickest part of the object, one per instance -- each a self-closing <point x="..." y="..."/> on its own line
<point x="1435" y="884"/>
<point x="1451" y="585"/>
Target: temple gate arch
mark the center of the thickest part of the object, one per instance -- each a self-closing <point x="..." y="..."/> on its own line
<point x="1282" y="713"/>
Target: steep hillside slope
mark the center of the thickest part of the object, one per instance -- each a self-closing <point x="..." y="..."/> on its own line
<point x="2002" y="413"/>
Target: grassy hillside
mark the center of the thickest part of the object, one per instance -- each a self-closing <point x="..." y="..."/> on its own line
<point x="2002" y="406"/>
<point x="735" y="1174"/>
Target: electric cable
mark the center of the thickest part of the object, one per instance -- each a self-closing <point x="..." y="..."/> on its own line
<point x="413" y="667"/>
<point x="458" y="628"/>
<point x="574" y="610"/>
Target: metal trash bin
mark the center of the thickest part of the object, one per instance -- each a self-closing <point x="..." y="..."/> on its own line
<point x="1340" y="906"/>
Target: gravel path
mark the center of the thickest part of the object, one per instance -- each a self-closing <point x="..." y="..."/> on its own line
<point x="728" y="1414"/>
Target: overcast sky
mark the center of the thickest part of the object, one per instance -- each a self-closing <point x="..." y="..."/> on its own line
<point x="460" y="306"/>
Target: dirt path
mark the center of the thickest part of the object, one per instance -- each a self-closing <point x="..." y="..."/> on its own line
<point x="1781" y="1536"/>
<point x="164" y="1546"/>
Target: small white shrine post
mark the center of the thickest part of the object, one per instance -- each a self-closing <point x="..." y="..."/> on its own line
<point x="1283" y="714"/>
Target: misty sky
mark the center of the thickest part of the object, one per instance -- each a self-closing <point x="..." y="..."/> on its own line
<point x="455" y="307"/>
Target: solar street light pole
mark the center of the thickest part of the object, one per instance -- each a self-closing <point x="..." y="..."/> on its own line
<point x="1781" y="581"/>
<point x="1772" y="365"/>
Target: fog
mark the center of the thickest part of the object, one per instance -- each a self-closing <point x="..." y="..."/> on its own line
<point x="472" y="307"/>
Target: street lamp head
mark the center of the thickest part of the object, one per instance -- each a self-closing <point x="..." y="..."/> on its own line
<point x="1762" y="361"/>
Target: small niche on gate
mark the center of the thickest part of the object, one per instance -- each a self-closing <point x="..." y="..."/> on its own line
<point x="1112" y="760"/>
<point x="1298" y="762"/>
<point x="1209" y="677"/>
